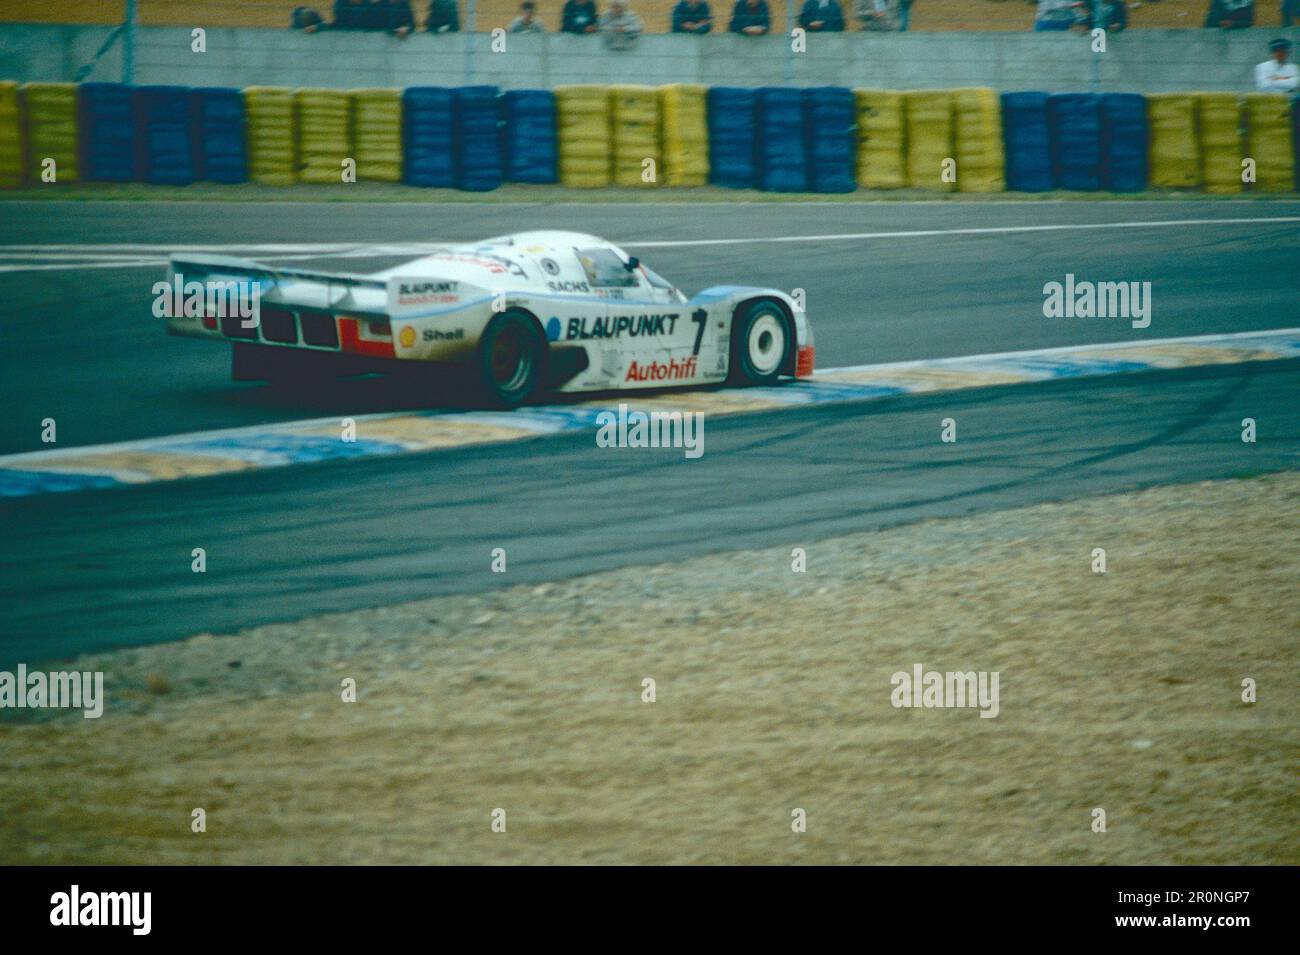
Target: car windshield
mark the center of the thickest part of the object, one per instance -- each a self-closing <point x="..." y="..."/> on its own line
<point x="605" y="269"/>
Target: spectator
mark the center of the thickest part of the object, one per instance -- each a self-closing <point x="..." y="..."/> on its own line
<point x="1112" y="16"/>
<point x="1056" y="15"/>
<point x="1277" y="75"/>
<point x="692" y="16"/>
<point x="306" y="19"/>
<point x="443" y="17"/>
<point x="527" y="22"/>
<point x="904" y="15"/>
<point x="751" y="18"/>
<point x="620" y="25"/>
<point x="1231" y="14"/>
<point x="396" y="17"/>
<point x="1290" y="12"/>
<point x="876" y="15"/>
<point x="822" y="16"/>
<point x="579" y="16"/>
<point x="352" y="15"/>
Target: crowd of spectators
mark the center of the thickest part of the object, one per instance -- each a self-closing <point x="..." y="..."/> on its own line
<point x="618" y="24"/>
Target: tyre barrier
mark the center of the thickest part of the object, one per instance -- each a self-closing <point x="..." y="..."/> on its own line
<point x="426" y="137"/>
<point x="782" y="158"/>
<point x="683" y="109"/>
<point x="634" y="135"/>
<point x="830" y="132"/>
<point x="476" y="139"/>
<point x="272" y="135"/>
<point x="583" y="136"/>
<point x="163" y="146"/>
<point x="1218" y="128"/>
<point x="107" y="126"/>
<point x="1123" y="142"/>
<point x="11" y="136"/>
<point x="1269" y="141"/>
<point x="930" y="141"/>
<point x="977" y="118"/>
<point x="324" y="124"/>
<point x="528" y="135"/>
<point x="217" y="134"/>
<point x="1027" y="139"/>
<point x="779" y="139"/>
<point x="377" y="134"/>
<point x="1074" y="130"/>
<point x="1173" y="146"/>
<point x="732" y="137"/>
<point x="882" y="160"/>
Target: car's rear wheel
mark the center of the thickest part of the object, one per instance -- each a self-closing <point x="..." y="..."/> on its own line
<point x="761" y="339"/>
<point x="512" y="359"/>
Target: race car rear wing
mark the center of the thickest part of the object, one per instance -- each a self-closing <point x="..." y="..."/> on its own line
<point x="307" y="287"/>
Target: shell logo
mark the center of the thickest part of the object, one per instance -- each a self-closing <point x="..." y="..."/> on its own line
<point x="406" y="336"/>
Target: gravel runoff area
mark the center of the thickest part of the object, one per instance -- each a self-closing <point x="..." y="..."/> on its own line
<point x="1120" y="691"/>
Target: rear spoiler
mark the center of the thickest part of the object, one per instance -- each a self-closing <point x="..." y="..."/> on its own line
<point x="332" y="291"/>
<point x="324" y="290"/>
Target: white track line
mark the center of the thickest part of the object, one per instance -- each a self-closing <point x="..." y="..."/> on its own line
<point x="308" y="250"/>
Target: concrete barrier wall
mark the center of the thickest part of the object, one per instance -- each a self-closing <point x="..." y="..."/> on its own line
<point x="1144" y="61"/>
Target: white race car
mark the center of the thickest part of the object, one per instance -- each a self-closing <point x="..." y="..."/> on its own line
<point x="531" y="313"/>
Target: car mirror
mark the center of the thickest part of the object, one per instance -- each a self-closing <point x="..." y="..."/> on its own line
<point x="633" y="264"/>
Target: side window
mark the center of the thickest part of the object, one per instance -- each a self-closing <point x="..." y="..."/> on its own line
<point x="605" y="269"/>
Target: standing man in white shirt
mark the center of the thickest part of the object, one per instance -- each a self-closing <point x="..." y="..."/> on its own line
<point x="1277" y="75"/>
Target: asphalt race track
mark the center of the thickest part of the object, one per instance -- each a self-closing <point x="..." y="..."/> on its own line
<point x="91" y="570"/>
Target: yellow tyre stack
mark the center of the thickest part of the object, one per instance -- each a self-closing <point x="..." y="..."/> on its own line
<point x="272" y="135"/>
<point x="929" y="138"/>
<point x="51" y="111"/>
<point x="684" y="109"/>
<point x="11" y="137"/>
<point x="882" y="139"/>
<point x="1175" y="153"/>
<point x="1268" y="139"/>
<point x="977" y="115"/>
<point x="634" y="117"/>
<point x="1219" y="132"/>
<point x="582" y="127"/>
<point x="324" y="134"/>
<point x="377" y="134"/>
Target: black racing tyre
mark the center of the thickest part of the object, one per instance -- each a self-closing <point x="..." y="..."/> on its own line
<point x="512" y="357"/>
<point x="761" y="341"/>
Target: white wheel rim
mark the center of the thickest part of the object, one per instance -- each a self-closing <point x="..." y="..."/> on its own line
<point x="766" y="343"/>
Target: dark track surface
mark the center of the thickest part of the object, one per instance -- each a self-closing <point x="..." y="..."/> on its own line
<point x="83" y="348"/>
<point x="80" y="572"/>
<point x="103" y="569"/>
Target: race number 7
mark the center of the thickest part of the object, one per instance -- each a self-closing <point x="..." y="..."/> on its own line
<point x="701" y="318"/>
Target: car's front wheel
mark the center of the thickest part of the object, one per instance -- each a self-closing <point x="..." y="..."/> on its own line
<point x="761" y="340"/>
<point x="512" y="359"/>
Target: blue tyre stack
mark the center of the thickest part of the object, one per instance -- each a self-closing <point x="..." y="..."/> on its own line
<point x="1074" y="121"/>
<point x="217" y="132"/>
<point x="782" y="155"/>
<point x="427" y="137"/>
<point x="830" y="126"/>
<point x="164" y="145"/>
<point x="529" y="135"/>
<point x="476" y="139"/>
<point x="107" y="132"/>
<point x="1123" y="142"/>
<point x="731" y="137"/>
<point x="1028" y="149"/>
